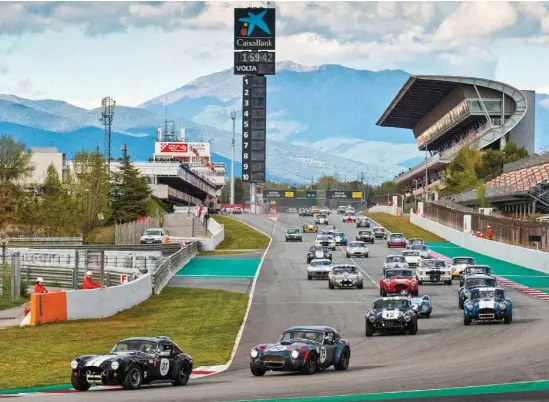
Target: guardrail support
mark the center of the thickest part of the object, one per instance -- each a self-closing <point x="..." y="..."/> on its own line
<point x="75" y="272"/>
<point x="102" y="268"/>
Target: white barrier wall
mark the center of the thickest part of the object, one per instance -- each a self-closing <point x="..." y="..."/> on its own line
<point x="525" y="257"/>
<point x="101" y="303"/>
<point x="391" y="210"/>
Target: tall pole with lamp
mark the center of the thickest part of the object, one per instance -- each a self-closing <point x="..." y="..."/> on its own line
<point x="233" y="117"/>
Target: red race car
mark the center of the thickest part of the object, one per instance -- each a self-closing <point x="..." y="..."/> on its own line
<point x="349" y="218"/>
<point x="396" y="240"/>
<point x="396" y="280"/>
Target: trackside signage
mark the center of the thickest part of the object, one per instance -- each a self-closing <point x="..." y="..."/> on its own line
<point x="278" y="194"/>
<point x="345" y="195"/>
<point x="254" y="28"/>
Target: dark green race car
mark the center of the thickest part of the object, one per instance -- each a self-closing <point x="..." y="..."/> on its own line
<point x="293" y="235"/>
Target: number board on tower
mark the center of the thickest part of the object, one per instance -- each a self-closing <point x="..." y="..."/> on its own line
<point x="261" y="63"/>
<point x="254" y="125"/>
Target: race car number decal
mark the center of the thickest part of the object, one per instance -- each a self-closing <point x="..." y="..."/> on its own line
<point x="277" y="348"/>
<point x="164" y="367"/>
<point x="322" y="354"/>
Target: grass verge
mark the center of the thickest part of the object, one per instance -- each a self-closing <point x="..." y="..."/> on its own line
<point x="184" y="314"/>
<point x="239" y="235"/>
<point x="5" y="302"/>
<point x="401" y="224"/>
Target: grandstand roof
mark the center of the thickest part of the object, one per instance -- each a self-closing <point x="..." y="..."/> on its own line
<point x="415" y="100"/>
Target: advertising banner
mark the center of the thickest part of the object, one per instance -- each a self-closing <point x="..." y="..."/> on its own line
<point x="254" y="28"/>
<point x="344" y="195"/>
<point x="182" y="148"/>
<point x="467" y="223"/>
<point x="278" y="194"/>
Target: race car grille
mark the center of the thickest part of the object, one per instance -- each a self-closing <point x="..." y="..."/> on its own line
<point x="391" y="324"/>
<point x="274" y="361"/>
<point x="413" y="264"/>
<point x="320" y="274"/>
<point x="324" y="243"/>
<point x="486" y="314"/>
<point x="401" y="286"/>
<point x="434" y="272"/>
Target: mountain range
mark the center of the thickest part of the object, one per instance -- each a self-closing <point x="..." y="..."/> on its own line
<point x="321" y="120"/>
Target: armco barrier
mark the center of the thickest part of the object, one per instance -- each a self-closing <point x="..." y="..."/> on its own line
<point x="525" y="257"/>
<point x="94" y="303"/>
<point x="167" y="269"/>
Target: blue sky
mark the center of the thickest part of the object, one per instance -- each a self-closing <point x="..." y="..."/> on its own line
<point x="80" y="52"/>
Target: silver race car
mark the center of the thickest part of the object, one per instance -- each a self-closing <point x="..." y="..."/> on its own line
<point x="345" y="276"/>
<point x="395" y="261"/>
<point x="357" y="249"/>
<point x="421" y="249"/>
<point x="319" y="269"/>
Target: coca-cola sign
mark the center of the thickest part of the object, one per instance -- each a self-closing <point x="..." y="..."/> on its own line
<point x="170" y="147"/>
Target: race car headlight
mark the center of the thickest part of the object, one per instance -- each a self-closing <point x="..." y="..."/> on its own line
<point x="470" y="307"/>
<point x="388" y="282"/>
<point x="115" y="365"/>
<point x="414" y="283"/>
<point x="503" y="306"/>
<point x="407" y="318"/>
<point x="74" y="364"/>
<point x="254" y="353"/>
<point x="414" y="306"/>
<point x="295" y="354"/>
<point x="372" y="318"/>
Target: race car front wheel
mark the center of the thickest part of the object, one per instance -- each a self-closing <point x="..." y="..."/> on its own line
<point x="343" y="362"/>
<point x="369" y="330"/>
<point x="309" y="367"/>
<point x="134" y="377"/>
<point x="79" y="384"/>
<point x="257" y="371"/>
<point x="183" y="374"/>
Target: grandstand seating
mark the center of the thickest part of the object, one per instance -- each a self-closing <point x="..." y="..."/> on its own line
<point x="522" y="180"/>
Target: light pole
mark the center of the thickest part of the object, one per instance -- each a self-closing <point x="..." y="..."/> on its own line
<point x="415" y="195"/>
<point x="233" y="117"/>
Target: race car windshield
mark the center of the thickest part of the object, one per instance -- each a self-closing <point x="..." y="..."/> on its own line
<point x="364" y="233"/>
<point x="402" y="305"/>
<point x="356" y="245"/>
<point x="140" y="346"/>
<point x="300" y="336"/>
<point x="338" y="234"/>
<point x="418" y="247"/>
<point x="411" y="253"/>
<point x="320" y="263"/>
<point x="398" y="272"/>
<point x="468" y="261"/>
<point x="397" y="237"/>
<point x="324" y="238"/>
<point x="342" y="270"/>
<point x="319" y="248"/>
<point x="478" y="270"/>
<point x="482" y="294"/>
<point x="434" y="264"/>
<point x="416" y="241"/>
<point x="396" y="258"/>
<point x="480" y="282"/>
<point x="152" y="233"/>
<point x="293" y="231"/>
<point x="321" y="216"/>
<point x="379" y="230"/>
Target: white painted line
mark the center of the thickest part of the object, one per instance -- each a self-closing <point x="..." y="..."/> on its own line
<point x="274" y="228"/>
<point x="217" y="276"/>
<point x="339" y="302"/>
<point x="250" y="300"/>
<point x="359" y="267"/>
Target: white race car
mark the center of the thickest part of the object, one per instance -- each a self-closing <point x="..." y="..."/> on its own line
<point x="421" y="249"/>
<point x="434" y="271"/>
<point x="395" y="261"/>
<point x="321" y="218"/>
<point x="412" y="257"/>
<point x="319" y="269"/>
<point x="326" y="241"/>
<point x="325" y="211"/>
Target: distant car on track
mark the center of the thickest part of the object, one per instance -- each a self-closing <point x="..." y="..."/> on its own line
<point x="396" y="240"/>
<point x="488" y="304"/>
<point x="345" y="276"/>
<point x="325" y="211"/>
<point x="306" y="349"/>
<point x="307" y="212"/>
<point x="415" y="240"/>
<point x="472" y="282"/>
<point x="133" y="362"/>
<point x="326" y="241"/>
<point x="395" y="280"/>
<point x="154" y="236"/>
<point x="340" y="210"/>
<point x="366" y="236"/>
<point x="395" y="261"/>
<point x="321" y="218"/>
<point x="391" y="315"/>
<point x="315" y="209"/>
<point x="319" y="269"/>
<point x="310" y="227"/>
<point x="412" y="257"/>
<point x="422" y="305"/>
<point x="474" y="270"/>
<point x="380" y="233"/>
<point x="349" y="217"/>
<point x="340" y="238"/>
<point x="459" y="264"/>
<point x="357" y="249"/>
<point x="293" y="234"/>
<point x="422" y="249"/>
<point x="362" y="222"/>
<point x="434" y="271"/>
<point x="318" y="252"/>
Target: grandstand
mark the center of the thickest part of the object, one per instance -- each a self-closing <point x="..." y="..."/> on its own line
<point x="449" y="113"/>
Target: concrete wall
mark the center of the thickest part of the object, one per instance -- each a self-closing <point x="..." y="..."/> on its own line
<point x="537" y="260"/>
<point x="41" y="159"/>
<point x="392" y="210"/>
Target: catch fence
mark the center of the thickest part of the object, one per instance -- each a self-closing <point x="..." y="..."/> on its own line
<point x="505" y="230"/>
<point x="10" y="277"/>
<point x="131" y="232"/>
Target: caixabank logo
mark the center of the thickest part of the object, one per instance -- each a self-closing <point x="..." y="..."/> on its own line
<point x="254" y="28"/>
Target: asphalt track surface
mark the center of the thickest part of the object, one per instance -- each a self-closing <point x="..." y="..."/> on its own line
<point x="444" y="353"/>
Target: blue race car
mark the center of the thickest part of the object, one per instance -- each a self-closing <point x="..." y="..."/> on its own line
<point x="306" y="349"/>
<point x="488" y="304"/>
<point x="423" y="306"/>
<point x="473" y="282"/>
<point x="340" y="238"/>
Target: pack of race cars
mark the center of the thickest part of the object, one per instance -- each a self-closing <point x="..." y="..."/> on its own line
<point x="308" y="349"/>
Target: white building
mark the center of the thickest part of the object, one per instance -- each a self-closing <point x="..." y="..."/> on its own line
<point x="41" y="158"/>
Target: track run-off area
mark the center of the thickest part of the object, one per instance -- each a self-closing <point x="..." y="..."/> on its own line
<point x="443" y="354"/>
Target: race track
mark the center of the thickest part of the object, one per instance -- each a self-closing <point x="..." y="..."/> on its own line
<point x="444" y="353"/>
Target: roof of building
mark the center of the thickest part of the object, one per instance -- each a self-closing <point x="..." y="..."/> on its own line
<point x="44" y="150"/>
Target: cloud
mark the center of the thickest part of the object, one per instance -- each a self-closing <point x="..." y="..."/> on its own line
<point x="4" y="70"/>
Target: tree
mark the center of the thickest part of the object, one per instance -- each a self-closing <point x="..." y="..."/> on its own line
<point x="460" y="175"/>
<point x="491" y="162"/>
<point x="89" y="186"/>
<point x="512" y="153"/>
<point x="15" y="163"/>
<point x="129" y="193"/>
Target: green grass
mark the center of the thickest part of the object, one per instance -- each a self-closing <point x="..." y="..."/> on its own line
<point x="5" y="302"/>
<point x="221" y="252"/>
<point x="239" y="235"/>
<point x="401" y="224"/>
<point x="203" y="322"/>
<point x="102" y="235"/>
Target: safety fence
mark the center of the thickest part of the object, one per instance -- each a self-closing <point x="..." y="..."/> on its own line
<point x="167" y="269"/>
<point x="47" y="240"/>
<point x="505" y="230"/>
<point x="131" y="232"/>
<point x="10" y="277"/>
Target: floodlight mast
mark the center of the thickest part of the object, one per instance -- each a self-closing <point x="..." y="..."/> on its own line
<point x="107" y="114"/>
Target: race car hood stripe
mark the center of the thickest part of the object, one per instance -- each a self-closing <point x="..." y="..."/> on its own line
<point x="486" y="304"/>
<point x="98" y="360"/>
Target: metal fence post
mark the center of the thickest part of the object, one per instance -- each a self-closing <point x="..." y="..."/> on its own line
<point x="102" y="268"/>
<point x="75" y="271"/>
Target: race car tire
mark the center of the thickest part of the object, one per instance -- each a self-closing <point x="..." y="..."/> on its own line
<point x="257" y="371"/>
<point x="330" y="286"/>
<point x="343" y="362"/>
<point x="427" y="315"/>
<point x="508" y="319"/>
<point x="380" y="291"/>
<point x="369" y="330"/>
<point x="416" y="293"/>
<point x="347" y="255"/>
<point x="79" y="385"/>
<point x="309" y="367"/>
<point x="461" y="302"/>
<point x="449" y="282"/>
<point x="413" y="330"/>
<point x="420" y="282"/>
<point x="361" y="286"/>
<point x="466" y="320"/>
<point x="133" y="378"/>
<point x="309" y="277"/>
<point x="183" y="374"/>
<point x="366" y="256"/>
<point x="383" y="293"/>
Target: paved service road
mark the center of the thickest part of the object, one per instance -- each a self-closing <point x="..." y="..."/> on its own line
<point x="444" y="353"/>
